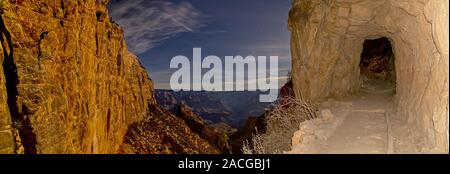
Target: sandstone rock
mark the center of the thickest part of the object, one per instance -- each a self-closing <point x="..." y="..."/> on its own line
<point x="305" y="134"/>
<point x="321" y="134"/>
<point x="300" y="137"/>
<point x="296" y="138"/>
<point x="306" y="139"/>
<point x="307" y="127"/>
<point x="326" y="115"/>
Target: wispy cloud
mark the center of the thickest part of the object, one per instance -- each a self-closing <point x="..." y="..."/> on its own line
<point x="148" y="24"/>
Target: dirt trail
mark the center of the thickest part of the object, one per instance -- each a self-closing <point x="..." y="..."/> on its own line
<point x="360" y="124"/>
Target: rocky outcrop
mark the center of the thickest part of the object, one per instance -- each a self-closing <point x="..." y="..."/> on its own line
<point x="163" y="133"/>
<point x="225" y="128"/>
<point x="327" y="41"/>
<point x="68" y="84"/>
<point x="214" y="136"/>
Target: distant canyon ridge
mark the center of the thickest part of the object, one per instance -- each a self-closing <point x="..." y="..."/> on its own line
<point x="230" y="107"/>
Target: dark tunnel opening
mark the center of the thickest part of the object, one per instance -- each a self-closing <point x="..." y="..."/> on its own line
<point x="377" y="60"/>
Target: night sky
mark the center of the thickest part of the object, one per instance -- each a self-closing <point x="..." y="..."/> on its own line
<point x="157" y="30"/>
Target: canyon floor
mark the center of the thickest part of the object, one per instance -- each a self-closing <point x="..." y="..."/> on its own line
<point x="360" y="124"/>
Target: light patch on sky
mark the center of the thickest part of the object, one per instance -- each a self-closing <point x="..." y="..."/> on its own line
<point x="148" y="24"/>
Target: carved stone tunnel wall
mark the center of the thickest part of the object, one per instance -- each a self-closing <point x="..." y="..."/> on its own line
<point x="327" y="41"/>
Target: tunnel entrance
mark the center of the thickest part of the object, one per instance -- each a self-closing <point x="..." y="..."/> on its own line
<point x="377" y="60"/>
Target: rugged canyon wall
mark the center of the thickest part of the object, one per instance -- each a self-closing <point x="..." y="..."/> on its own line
<point x="68" y="82"/>
<point x="327" y="41"/>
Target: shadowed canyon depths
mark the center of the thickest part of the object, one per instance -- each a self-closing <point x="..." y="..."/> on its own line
<point x="69" y="85"/>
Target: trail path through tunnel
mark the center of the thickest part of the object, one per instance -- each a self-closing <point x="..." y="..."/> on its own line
<point x="360" y="124"/>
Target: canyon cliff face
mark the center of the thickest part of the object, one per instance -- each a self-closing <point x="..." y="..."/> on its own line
<point x="68" y="83"/>
<point x="327" y="41"/>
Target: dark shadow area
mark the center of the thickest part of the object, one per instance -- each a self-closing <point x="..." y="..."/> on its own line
<point x="377" y="60"/>
<point x="20" y="122"/>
